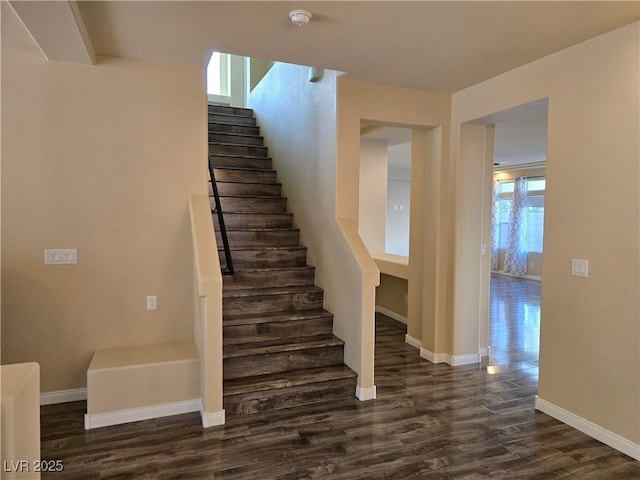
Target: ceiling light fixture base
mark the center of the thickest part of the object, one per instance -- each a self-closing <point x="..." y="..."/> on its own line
<point x="300" y="17"/>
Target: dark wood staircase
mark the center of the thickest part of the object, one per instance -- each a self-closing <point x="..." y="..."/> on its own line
<point x="279" y="349"/>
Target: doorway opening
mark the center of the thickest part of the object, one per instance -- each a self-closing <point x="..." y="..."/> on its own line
<point x="384" y="210"/>
<point x="517" y="238"/>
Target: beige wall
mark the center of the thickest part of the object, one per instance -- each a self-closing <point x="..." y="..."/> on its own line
<point x="391" y="294"/>
<point x="258" y="68"/>
<point x="429" y="114"/>
<point x="99" y="158"/>
<point x="590" y="333"/>
<point x="298" y="120"/>
<point x="373" y="194"/>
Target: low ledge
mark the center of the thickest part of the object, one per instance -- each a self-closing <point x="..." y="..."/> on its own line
<point x="394" y="265"/>
<point x="141" y="355"/>
<point x="127" y="384"/>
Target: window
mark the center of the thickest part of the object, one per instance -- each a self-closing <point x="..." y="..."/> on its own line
<point x="534" y="213"/>
<point x="217" y="74"/>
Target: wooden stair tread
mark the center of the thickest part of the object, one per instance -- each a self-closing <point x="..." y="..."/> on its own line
<point x="252" y="197"/>
<point x="235" y="155"/>
<point x="268" y="248"/>
<point x="234" y="144"/>
<point x="297" y="268"/>
<point x="251" y="292"/>
<point x="280" y="345"/>
<point x="234" y="134"/>
<point x="261" y="383"/>
<point x="252" y="170"/>
<point x="261" y="230"/>
<point x="220" y="108"/>
<point x="251" y="319"/>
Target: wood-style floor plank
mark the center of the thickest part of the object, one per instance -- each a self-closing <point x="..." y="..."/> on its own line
<point x="428" y="422"/>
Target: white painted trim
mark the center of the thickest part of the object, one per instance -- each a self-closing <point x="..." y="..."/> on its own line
<point x="218" y="99"/>
<point x="457" y="360"/>
<point x="390" y="314"/>
<point x="585" y="426"/>
<point x="414" y="342"/>
<point x="63" y="396"/>
<point x="212" y="419"/>
<point x="453" y="360"/>
<point x="435" y="357"/>
<point x="485" y="351"/>
<point x="365" y="394"/>
<point x="118" y="417"/>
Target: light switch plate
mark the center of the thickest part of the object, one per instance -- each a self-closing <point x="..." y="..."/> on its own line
<point x="60" y="256"/>
<point x="152" y="302"/>
<point x="579" y="267"/>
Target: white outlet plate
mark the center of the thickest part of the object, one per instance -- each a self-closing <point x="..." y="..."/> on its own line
<point x="579" y="267"/>
<point x="152" y="302"/>
<point x="60" y="256"/>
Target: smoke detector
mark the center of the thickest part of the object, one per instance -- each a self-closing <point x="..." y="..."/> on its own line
<point x="300" y="17"/>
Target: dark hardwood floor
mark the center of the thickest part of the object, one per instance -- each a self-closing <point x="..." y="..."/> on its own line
<point x="428" y="422"/>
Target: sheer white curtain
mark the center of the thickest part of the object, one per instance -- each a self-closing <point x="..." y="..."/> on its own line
<point x="515" y="255"/>
<point x="495" y="226"/>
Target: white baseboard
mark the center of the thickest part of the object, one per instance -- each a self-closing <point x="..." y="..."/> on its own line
<point x="585" y="426"/>
<point x="457" y="360"/>
<point x="118" y="417"/>
<point x="485" y="352"/>
<point x="63" y="396"/>
<point x="390" y="314"/>
<point x="453" y="360"/>
<point x="414" y="342"/>
<point x="212" y="419"/>
<point x="365" y="394"/>
<point x="435" y="357"/>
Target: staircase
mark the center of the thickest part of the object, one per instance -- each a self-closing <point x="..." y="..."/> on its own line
<point x="279" y="350"/>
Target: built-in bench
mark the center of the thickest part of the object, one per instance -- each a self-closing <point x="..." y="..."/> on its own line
<point x="127" y="384"/>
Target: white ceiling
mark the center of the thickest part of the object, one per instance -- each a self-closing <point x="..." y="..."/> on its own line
<point x="443" y="46"/>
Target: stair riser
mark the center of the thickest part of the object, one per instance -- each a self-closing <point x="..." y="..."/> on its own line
<point x="245" y="121"/>
<point x="226" y="128"/>
<point x="248" y="366"/>
<point x="244" y="176"/>
<point x="269" y="278"/>
<point x="253" y="151"/>
<point x="258" y="304"/>
<point x="256" y="205"/>
<point x="262" y="332"/>
<point x="290" y="257"/>
<point x="290" y="397"/>
<point x="235" y="139"/>
<point x="241" y="162"/>
<point x="228" y="110"/>
<point x="262" y="189"/>
<point x="255" y="220"/>
<point x="239" y="238"/>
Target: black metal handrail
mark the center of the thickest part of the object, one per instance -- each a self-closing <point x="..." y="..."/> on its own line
<point x="228" y="270"/>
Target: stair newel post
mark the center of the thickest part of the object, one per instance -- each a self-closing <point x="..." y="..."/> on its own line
<point x="228" y="270"/>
